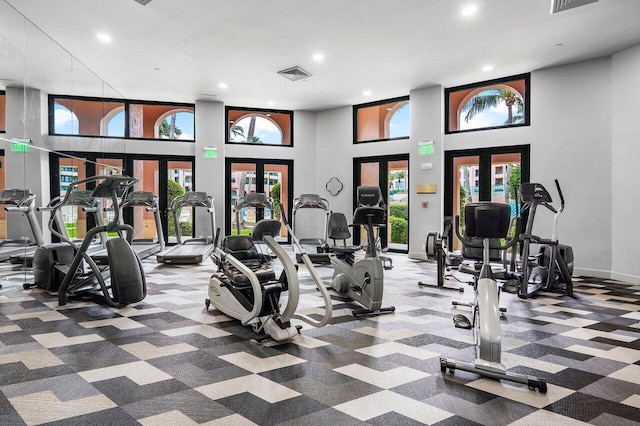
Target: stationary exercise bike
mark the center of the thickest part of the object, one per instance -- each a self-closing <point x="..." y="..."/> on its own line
<point x="361" y="280"/>
<point x="491" y="222"/>
<point x="437" y="248"/>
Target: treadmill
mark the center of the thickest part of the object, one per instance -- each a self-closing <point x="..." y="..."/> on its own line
<point x="309" y="223"/>
<point x="255" y="200"/>
<point x="89" y="204"/>
<point x="22" y="201"/>
<point x="193" y="250"/>
<point x="143" y="247"/>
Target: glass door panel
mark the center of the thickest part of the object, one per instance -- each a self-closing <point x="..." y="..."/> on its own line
<point x="3" y="185"/>
<point x="243" y="181"/>
<point x="398" y="205"/>
<point x="108" y="167"/>
<point x="74" y="217"/>
<point x="179" y="182"/>
<point x="505" y="177"/>
<point x="370" y="173"/>
<point x="276" y="185"/>
<point x="466" y="185"/>
<point x="369" y="176"/>
<point x="391" y="175"/>
<point x="143" y="222"/>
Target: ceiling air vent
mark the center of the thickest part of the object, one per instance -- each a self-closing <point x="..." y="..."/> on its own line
<point x="294" y="73"/>
<point x="561" y="5"/>
<point x="143" y="2"/>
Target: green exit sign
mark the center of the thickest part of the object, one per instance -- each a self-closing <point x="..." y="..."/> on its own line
<point x="426" y="148"/>
<point x="210" y="152"/>
<point x="20" y="145"/>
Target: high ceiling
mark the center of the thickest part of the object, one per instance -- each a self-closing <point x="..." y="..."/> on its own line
<point x="181" y="51"/>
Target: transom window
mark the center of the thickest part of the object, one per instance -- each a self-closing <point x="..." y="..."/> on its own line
<point x="75" y="116"/>
<point x="488" y="105"/>
<point x="259" y="127"/>
<point x="381" y="120"/>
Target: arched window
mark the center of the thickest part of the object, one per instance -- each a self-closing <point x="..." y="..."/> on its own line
<point x="398" y="121"/>
<point x="175" y="124"/>
<point x="498" y="106"/>
<point x="253" y="126"/>
<point x="256" y="129"/>
<point x="65" y="121"/>
<point x="489" y="104"/>
<point x="381" y="120"/>
<point x="113" y="123"/>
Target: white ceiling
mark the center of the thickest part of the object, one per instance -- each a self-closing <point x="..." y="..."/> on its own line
<point x="180" y="51"/>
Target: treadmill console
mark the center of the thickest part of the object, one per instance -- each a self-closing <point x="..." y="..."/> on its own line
<point x="531" y="192"/>
<point x="139" y="198"/>
<point x="14" y="197"/>
<point x="81" y="198"/>
<point x="196" y="199"/>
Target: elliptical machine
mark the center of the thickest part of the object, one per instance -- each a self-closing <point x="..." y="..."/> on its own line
<point x="61" y="266"/>
<point x="490" y="222"/>
<point x="362" y="280"/>
<point x="245" y="287"/>
<point x="552" y="267"/>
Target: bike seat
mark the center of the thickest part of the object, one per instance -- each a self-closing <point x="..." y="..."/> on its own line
<point x="241" y="280"/>
<point x="474" y="269"/>
<point x="461" y="321"/>
<point x="345" y="250"/>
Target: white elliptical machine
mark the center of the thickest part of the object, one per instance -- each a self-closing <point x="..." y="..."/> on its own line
<point x="246" y="288"/>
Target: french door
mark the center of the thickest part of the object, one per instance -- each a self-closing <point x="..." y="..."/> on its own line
<point x="247" y="175"/>
<point x="486" y="174"/>
<point x="166" y="177"/>
<point x="391" y="174"/>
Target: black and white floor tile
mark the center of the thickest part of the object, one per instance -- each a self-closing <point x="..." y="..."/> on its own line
<point x="169" y="361"/>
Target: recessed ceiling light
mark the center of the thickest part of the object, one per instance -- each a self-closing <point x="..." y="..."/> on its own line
<point x="318" y="57"/>
<point x="222" y="85"/>
<point x="487" y="68"/>
<point x="104" y="37"/>
<point x="270" y="103"/>
<point x="469" y="10"/>
<point x="367" y="93"/>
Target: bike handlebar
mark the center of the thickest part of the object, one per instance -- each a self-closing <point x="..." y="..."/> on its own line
<point x="561" y="196"/>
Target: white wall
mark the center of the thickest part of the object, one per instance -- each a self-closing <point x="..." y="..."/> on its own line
<point x="209" y="173"/>
<point x="570" y="138"/>
<point x="571" y="141"/>
<point x="625" y="196"/>
<point x="335" y="152"/>
<point x="427" y="123"/>
<point x="25" y="113"/>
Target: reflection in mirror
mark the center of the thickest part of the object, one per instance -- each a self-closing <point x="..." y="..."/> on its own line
<point x="33" y="66"/>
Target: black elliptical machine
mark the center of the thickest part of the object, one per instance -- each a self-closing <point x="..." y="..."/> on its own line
<point x="551" y="269"/>
<point x="62" y="267"/>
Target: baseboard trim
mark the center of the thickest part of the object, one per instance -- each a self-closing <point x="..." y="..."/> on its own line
<point x="631" y="279"/>
<point x="417" y="255"/>
<point x="596" y="273"/>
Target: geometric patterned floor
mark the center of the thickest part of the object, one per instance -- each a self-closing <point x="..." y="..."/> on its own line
<point x="169" y="361"/>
